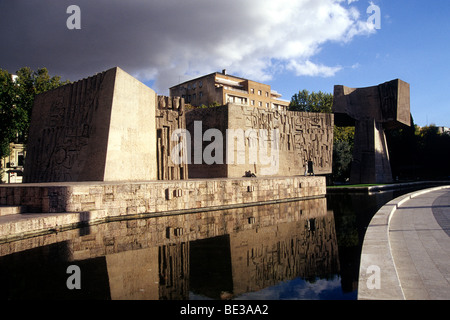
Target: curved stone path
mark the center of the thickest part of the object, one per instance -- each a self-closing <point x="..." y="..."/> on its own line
<point x="406" y="250"/>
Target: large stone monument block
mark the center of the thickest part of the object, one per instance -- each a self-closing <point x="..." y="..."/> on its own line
<point x="266" y="142"/>
<point x="97" y="129"/>
<point x="372" y="110"/>
<point x="387" y="103"/>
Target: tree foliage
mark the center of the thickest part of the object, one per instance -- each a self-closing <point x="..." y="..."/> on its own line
<point x="16" y="102"/>
<point x="312" y="102"/>
<point x="343" y="142"/>
<point x="419" y="152"/>
<point x="304" y="101"/>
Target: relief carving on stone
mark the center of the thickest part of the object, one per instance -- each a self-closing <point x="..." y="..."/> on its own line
<point x="303" y="136"/>
<point x="66" y="133"/>
<point x="169" y="117"/>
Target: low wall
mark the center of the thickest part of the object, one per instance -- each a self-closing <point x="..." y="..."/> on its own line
<point x="51" y="206"/>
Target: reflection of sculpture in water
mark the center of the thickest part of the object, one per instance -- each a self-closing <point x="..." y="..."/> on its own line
<point x="220" y="254"/>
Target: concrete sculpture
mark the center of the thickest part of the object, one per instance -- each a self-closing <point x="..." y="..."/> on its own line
<point x="289" y="140"/>
<point x="97" y="129"/>
<point x="372" y="110"/>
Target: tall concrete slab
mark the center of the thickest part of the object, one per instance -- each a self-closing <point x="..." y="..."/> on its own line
<point x="97" y="129"/>
<point x="266" y="142"/>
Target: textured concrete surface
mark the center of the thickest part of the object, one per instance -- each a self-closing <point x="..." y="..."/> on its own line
<point x="372" y="110"/>
<point x="101" y="128"/>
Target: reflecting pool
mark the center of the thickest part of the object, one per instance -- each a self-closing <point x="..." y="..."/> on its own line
<point x="293" y="250"/>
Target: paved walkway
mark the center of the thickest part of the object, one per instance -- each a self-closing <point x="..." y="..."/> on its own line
<point x="406" y="251"/>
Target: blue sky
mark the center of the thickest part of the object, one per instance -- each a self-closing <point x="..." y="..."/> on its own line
<point x="290" y="44"/>
<point x="412" y="44"/>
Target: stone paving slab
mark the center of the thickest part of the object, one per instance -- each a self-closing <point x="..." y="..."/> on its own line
<point x="412" y="249"/>
<point x="415" y="232"/>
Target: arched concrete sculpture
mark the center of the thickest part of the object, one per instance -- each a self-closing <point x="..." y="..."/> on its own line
<point x="372" y="110"/>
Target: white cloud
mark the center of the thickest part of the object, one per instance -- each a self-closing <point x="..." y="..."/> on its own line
<point x="309" y="68"/>
<point x="169" y="40"/>
<point x="250" y="35"/>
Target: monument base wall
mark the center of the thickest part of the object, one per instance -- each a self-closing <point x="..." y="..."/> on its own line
<point x="53" y="207"/>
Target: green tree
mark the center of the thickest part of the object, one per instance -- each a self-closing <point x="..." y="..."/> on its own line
<point x="419" y="152"/>
<point x="434" y="153"/>
<point x="344" y="138"/>
<point x="402" y="144"/>
<point x="10" y="115"/>
<point x="16" y="102"/>
<point x="312" y="102"/>
<point x="304" y="101"/>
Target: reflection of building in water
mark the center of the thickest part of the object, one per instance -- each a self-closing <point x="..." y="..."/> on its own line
<point x="174" y="271"/>
<point x="133" y="274"/>
<point x="207" y="253"/>
<point x="264" y="257"/>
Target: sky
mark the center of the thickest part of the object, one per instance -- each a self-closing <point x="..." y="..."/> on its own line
<point x="289" y="44"/>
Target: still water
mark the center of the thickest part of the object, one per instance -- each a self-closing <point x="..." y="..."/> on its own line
<point x="294" y="250"/>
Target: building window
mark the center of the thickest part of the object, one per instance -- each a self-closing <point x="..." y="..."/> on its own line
<point x="20" y="159"/>
<point x="267" y="94"/>
<point x="200" y="94"/>
<point x="259" y="92"/>
<point x="200" y="84"/>
<point x="252" y="91"/>
<point x="260" y="103"/>
<point x="267" y="105"/>
<point x="252" y="102"/>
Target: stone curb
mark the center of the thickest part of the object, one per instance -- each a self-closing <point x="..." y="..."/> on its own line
<point x="376" y="255"/>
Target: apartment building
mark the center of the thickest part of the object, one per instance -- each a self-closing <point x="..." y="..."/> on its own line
<point x="12" y="165"/>
<point x="443" y="130"/>
<point x="221" y="88"/>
